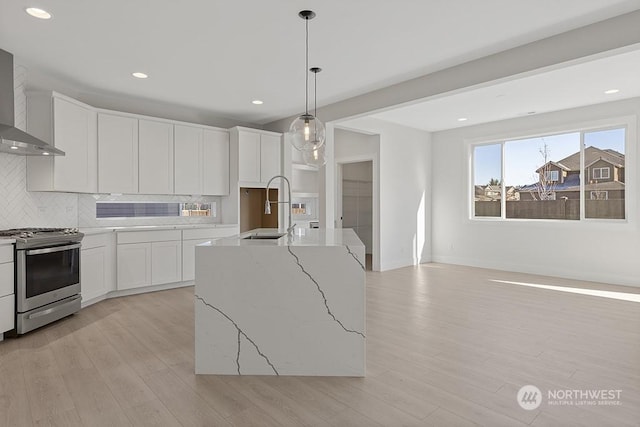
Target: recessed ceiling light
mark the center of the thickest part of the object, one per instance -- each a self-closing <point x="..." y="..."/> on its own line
<point x="462" y="119"/>
<point x="257" y="102"/>
<point x="139" y="75"/>
<point x="38" y="13"/>
<point x="611" y="91"/>
<point x="45" y="153"/>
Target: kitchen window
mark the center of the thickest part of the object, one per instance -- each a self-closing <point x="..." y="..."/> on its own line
<point x="303" y="208"/>
<point x="111" y="209"/>
<point x="541" y="177"/>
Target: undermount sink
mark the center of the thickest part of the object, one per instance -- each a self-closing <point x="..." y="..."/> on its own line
<point x="264" y="236"/>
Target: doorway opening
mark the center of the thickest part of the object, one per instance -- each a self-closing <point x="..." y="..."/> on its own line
<point x="357" y="203"/>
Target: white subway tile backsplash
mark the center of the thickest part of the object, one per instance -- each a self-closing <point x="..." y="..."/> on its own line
<point x="18" y="207"/>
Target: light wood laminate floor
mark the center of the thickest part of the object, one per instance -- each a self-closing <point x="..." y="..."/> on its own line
<point x="446" y="346"/>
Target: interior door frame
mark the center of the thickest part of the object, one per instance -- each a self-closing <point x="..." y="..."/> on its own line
<point x="368" y="157"/>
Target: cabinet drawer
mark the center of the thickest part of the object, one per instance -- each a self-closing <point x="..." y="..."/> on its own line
<point x="7" y="313"/>
<point x="6" y="279"/>
<point x="95" y="241"/>
<point x="6" y="253"/>
<point x="209" y="233"/>
<point x="149" y="236"/>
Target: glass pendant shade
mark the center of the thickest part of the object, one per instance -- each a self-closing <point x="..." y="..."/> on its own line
<point x="315" y="158"/>
<point x="307" y="133"/>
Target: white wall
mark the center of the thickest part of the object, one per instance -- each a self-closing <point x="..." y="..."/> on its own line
<point x="404" y="190"/>
<point x="597" y="251"/>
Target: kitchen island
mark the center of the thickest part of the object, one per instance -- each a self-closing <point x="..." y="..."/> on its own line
<point x="269" y="303"/>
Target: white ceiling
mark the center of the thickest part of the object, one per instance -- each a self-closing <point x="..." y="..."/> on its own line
<point x="218" y="55"/>
<point x="568" y="87"/>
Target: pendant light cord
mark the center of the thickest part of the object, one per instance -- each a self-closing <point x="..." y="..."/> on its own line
<point x="315" y="104"/>
<point x="306" y="69"/>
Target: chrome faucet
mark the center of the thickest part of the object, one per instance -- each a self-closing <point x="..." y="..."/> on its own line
<point x="267" y="203"/>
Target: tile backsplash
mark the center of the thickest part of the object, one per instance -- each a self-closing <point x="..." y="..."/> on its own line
<point x="18" y="207"/>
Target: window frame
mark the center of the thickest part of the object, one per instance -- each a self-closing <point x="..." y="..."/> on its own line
<point x="553" y="172"/>
<point x="608" y="169"/>
<point x="629" y="123"/>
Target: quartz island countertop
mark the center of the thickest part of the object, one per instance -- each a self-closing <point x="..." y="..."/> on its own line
<point x="300" y="237"/>
<point x="294" y="305"/>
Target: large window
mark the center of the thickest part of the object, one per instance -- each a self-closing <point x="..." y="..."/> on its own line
<point x="543" y="177"/>
<point x="488" y="180"/>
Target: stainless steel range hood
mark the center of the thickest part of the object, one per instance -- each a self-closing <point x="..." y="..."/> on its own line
<point x="12" y="139"/>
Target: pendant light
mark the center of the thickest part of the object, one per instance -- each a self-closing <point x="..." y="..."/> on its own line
<point x="315" y="157"/>
<point x="306" y="131"/>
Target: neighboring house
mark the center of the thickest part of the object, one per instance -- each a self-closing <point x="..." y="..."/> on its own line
<point x="604" y="171"/>
<point x="487" y="193"/>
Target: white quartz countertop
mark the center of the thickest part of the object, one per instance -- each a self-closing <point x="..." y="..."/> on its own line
<point x="301" y="237"/>
<point x="102" y="230"/>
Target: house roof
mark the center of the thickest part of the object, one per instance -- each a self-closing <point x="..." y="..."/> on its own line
<point x="591" y="155"/>
<point x="557" y="164"/>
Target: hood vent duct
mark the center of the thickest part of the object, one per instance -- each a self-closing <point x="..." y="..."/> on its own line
<point x="12" y="139"/>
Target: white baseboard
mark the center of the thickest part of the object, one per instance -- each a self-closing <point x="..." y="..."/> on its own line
<point x="136" y="291"/>
<point x="146" y="289"/>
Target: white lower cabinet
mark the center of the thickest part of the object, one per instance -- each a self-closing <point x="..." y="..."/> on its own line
<point x="134" y="265"/>
<point x="166" y="262"/>
<point x="95" y="266"/>
<point x="7" y="313"/>
<point x="193" y="237"/>
<point x="148" y="258"/>
<point x="7" y="299"/>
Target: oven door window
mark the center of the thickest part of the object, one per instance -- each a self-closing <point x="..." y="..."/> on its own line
<point x="51" y="271"/>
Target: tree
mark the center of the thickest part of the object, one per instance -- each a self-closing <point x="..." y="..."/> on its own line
<point x="494" y="181"/>
<point x="545" y="187"/>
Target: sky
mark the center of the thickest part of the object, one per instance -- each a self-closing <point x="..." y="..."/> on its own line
<point x="523" y="157"/>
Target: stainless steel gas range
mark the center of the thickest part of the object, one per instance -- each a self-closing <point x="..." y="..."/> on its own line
<point x="47" y="279"/>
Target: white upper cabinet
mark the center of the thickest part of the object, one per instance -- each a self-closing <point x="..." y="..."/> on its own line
<point x="259" y="154"/>
<point x="249" y="156"/>
<point x="269" y="156"/>
<point x="117" y="154"/>
<point x="201" y="161"/>
<point x="71" y="127"/>
<point x="155" y="163"/>
<point x="215" y="155"/>
<point x="188" y="159"/>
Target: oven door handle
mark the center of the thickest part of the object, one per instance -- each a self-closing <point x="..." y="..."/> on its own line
<point x="53" y="249"/>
